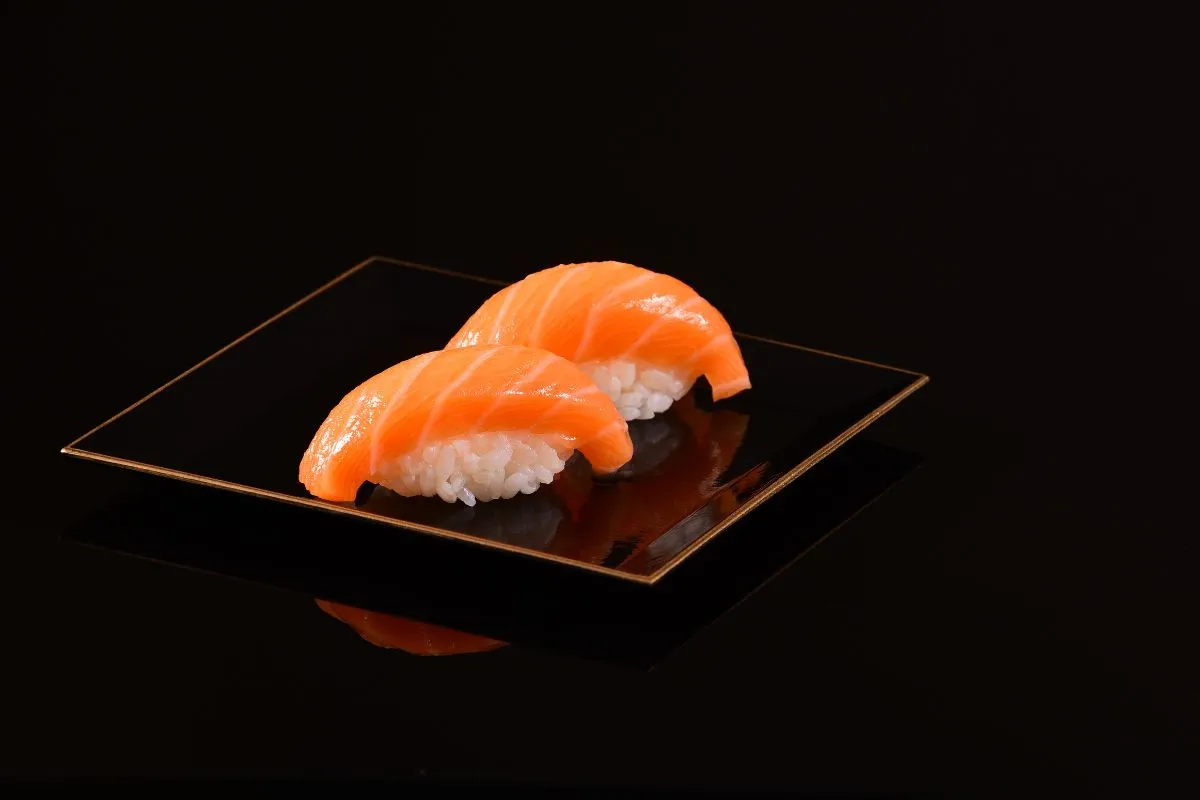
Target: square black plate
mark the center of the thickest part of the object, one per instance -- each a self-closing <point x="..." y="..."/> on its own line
<point x="240" y="420"/>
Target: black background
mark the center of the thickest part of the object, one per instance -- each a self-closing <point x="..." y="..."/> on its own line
<point x="986" y="196"/>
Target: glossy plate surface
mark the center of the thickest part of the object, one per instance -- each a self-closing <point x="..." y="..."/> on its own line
<point x="241" y="419"/>
<point x="414" y="592"/>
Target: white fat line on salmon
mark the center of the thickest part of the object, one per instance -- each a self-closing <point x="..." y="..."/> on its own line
<point x="441" y="398"/>
<point x="717" y="342"/>
<point x="676" y="313"/>
<point x="538" y="369"/>
<point x="536" y="331"/>
<point x="550" y="412"/>
<point x="380" y="426"/>
<point x="605" y="431"/>
<point x="494" y="336"/>
<point x="589" y="326"/>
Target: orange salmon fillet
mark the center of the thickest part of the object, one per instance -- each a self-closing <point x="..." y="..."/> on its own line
<point x="607" y="310"/>
<point x="451" y="393"/>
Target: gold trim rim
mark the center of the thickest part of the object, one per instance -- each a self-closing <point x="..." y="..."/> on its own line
<point x="780" y="483"/>
<point x="769" y="491"/>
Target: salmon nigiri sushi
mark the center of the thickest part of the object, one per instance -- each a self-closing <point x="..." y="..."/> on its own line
<point x="479" y="423"/>
<point x="644" y="337"/>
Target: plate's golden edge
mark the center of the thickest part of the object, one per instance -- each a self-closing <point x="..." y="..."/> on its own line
<point x="769" y="491"/>
<point x="782" y="481"/>
<point x="322" y="505"/>
<point x="439" y="270"/>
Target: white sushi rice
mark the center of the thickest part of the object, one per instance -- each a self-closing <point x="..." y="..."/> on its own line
<point x="639" y="392"/>
<point x="480" y="467"/>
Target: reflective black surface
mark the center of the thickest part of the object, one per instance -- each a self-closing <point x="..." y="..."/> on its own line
<point x="448" y="584"/>
<point x="244" y="417"/>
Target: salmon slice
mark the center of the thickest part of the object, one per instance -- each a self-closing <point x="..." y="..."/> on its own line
<point x="605" y="312"/>
<point x="439" y="396"/>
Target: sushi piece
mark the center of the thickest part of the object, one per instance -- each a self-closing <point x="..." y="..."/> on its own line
<point x="410" y="635"/>
<point x="472" y="424"/>
<point x="644" y="337"/>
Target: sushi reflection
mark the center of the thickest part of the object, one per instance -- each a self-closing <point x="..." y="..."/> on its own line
<point x="654" y="440"/>
<point x="668" y="494"/>
<point x="410" y="635"/>
<point x="661" y="507"/>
